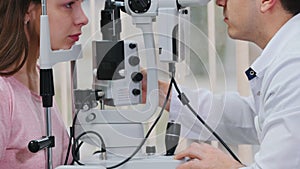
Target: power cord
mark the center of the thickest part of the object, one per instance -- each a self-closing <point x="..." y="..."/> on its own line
<point x="185" y="101"/>
<point x="149" y="131"/>
<point x="75" y="140"/>
<point x="76" y="149"/>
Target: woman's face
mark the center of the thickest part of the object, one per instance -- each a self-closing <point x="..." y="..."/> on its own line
<point x="66" y="19"/>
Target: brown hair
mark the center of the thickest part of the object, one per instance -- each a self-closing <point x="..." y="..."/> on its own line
<point x="292" y="6"/>
<point x="13" y="41"/>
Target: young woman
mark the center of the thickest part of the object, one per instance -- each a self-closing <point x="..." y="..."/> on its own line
<point x="21" y="111"/>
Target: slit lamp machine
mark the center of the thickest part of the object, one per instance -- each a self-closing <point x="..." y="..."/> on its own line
<point x="117" y="79"/>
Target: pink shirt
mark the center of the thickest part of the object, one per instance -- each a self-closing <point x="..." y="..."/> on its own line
<point x="22" y="120"/>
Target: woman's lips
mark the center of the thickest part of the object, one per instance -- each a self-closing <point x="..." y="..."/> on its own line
<point x="75" y="37"/>
<point x="225" y="19"/>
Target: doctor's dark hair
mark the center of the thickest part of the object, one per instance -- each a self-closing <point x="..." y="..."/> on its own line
<point x="292" y="6"/>
<point x="13" y="41"/>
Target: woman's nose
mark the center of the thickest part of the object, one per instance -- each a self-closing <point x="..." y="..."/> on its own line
<point x="81" y="18"/>
<point x="221" y="2"/>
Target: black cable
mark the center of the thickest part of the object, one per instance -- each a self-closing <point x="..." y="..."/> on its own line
<point x="74" y="154"/>
<point x="72" y="136"/>
<point x="185" y="101"/>
<point x="69" y="148"/>
<point x="92" y="132"/>
<point x="76" y="149"/>
<point x="72" y="132"/>
<point x="149" y="131"/>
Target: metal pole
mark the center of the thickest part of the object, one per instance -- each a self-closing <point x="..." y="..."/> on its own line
<point x="73" y="86"/>
<point x="49" y="133"/>
<point x="47" y="109"/>
<point x="44" y="7"/>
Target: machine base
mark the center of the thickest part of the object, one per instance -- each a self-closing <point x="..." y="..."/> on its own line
<point x="149" y="162"/>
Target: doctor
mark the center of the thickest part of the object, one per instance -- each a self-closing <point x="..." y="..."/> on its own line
<point x="269" y="117"/>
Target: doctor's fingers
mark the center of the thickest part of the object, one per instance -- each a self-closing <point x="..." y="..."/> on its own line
<point x="191" y="164"/>
<point x="193" y="151"/>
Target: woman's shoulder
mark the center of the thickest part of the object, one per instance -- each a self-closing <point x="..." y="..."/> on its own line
<point x="5" y="86"/>
<point x="5" y="81"/>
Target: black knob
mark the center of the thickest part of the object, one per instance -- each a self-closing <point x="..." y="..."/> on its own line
<point x="132" y="45"/>
<point x="136" y="92"/>
<point x="37" y="145"/>
<point x="136" y="77"/>
<point x="172" y="137"/>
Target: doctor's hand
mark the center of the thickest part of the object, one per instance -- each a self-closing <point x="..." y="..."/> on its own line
<point x="205" y="156"/>
<point x="163" y="89"/>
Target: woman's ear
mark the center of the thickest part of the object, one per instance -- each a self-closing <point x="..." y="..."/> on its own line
<point x="28" y="14"/>
<point x="266" y="5"/>
<point x="27" y="18"/>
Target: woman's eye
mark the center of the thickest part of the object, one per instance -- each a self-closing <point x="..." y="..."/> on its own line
<point x="69" y="5"/>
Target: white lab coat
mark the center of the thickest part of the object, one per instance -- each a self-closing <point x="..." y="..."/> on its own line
<point x="270" y="117"/>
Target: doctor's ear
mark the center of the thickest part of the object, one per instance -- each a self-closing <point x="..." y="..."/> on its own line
<point x="266" y="5"/>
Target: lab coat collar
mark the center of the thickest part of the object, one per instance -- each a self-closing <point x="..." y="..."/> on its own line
<point x="271" y="51"/>
<point x="251" y="74"/>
